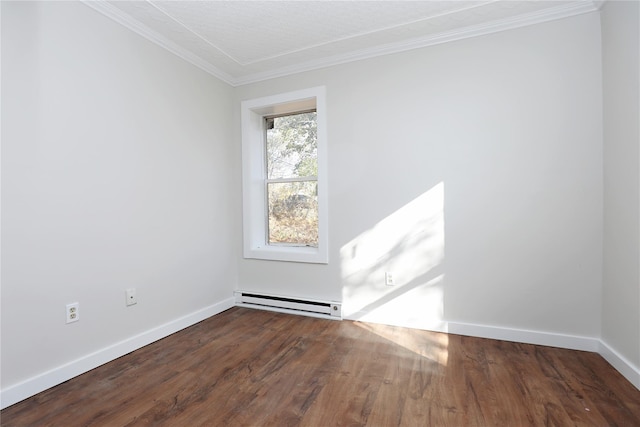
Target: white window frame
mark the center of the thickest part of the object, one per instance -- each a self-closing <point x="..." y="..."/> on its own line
<point x="254" y="208"/>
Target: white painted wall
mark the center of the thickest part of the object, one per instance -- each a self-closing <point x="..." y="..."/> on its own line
<point x="472" y="171"/>
<point x="117" y="171"/>
<point x="621" y="72"/>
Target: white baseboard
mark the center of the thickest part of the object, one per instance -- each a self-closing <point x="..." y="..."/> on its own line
<point x="622" y="365"/>
<point x="527" y="337"/>
<point x="494" y="332"/>
<point x="595" y="345"/>
<point x="35" y="385"/>
<point x="39" y="383"/>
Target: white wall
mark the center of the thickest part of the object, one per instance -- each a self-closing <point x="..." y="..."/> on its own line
<point x="621" y="72"/>
<point x="472" y="171"/>
<point x="117" y="172"/>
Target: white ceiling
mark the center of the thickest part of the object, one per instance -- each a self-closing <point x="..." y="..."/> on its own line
<point x="247" y="41"/>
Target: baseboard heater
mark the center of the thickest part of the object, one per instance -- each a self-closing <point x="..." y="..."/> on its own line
<point x="283" y="304"/>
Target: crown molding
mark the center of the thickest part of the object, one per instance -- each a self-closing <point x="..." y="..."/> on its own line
<point x="137" y="27"/>
<point x="552" y="14"/>
<point x="546" y="15"/>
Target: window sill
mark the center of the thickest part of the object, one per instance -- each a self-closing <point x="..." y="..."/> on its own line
<point x="287" y="253"/>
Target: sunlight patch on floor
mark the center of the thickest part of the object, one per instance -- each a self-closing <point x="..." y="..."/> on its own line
<point x="431" y="345"/>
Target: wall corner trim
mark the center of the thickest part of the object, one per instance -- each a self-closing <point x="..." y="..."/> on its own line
<point x="32" y="386"/>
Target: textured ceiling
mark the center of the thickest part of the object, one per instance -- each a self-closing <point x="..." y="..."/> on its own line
<point x="246" y="41"/>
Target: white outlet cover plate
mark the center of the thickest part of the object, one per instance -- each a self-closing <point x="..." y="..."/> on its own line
<point x="131" y="296"/>
<point x="73" y="312"/>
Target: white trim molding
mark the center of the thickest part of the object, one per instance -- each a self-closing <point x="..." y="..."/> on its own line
<point x="39" y="383"/>
<point x="547" y="15"/>
<point x="559" y="12"/>
<point x="571" y="342"/>
<point x="17" y="392"/>
<point x="137" y="27"/>
<point x="620" y="363"/>
<point x="550" y="339"/>
<point x="524" y="336"/>
<point x="254" y="208"/>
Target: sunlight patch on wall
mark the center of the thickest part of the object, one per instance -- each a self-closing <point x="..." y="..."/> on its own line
<point x="410" y="244"/>
<point x="419" y="306"/>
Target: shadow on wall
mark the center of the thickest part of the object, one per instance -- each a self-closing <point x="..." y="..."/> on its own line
<point x="409" y="243"/>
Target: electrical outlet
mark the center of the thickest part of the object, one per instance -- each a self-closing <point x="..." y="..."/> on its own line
<point x="73" y="312"/>
<point x="388" y="279"/>
<point x="131" y="296"/>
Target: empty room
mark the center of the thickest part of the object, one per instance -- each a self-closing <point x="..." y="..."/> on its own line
<point x="320" y="213"/>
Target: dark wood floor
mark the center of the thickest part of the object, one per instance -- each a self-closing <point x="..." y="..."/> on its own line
<point x="256" y="368"/>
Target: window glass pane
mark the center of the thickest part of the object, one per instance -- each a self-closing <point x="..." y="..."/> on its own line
<point x="293" y="213"/>
<point x="292" y="146"/>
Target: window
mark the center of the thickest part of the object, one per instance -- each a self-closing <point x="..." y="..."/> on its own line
<point x="292" y="179"/>
<point x="284" y="178"/>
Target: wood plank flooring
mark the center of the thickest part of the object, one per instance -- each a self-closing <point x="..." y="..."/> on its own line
<point x="256" y="368"/>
